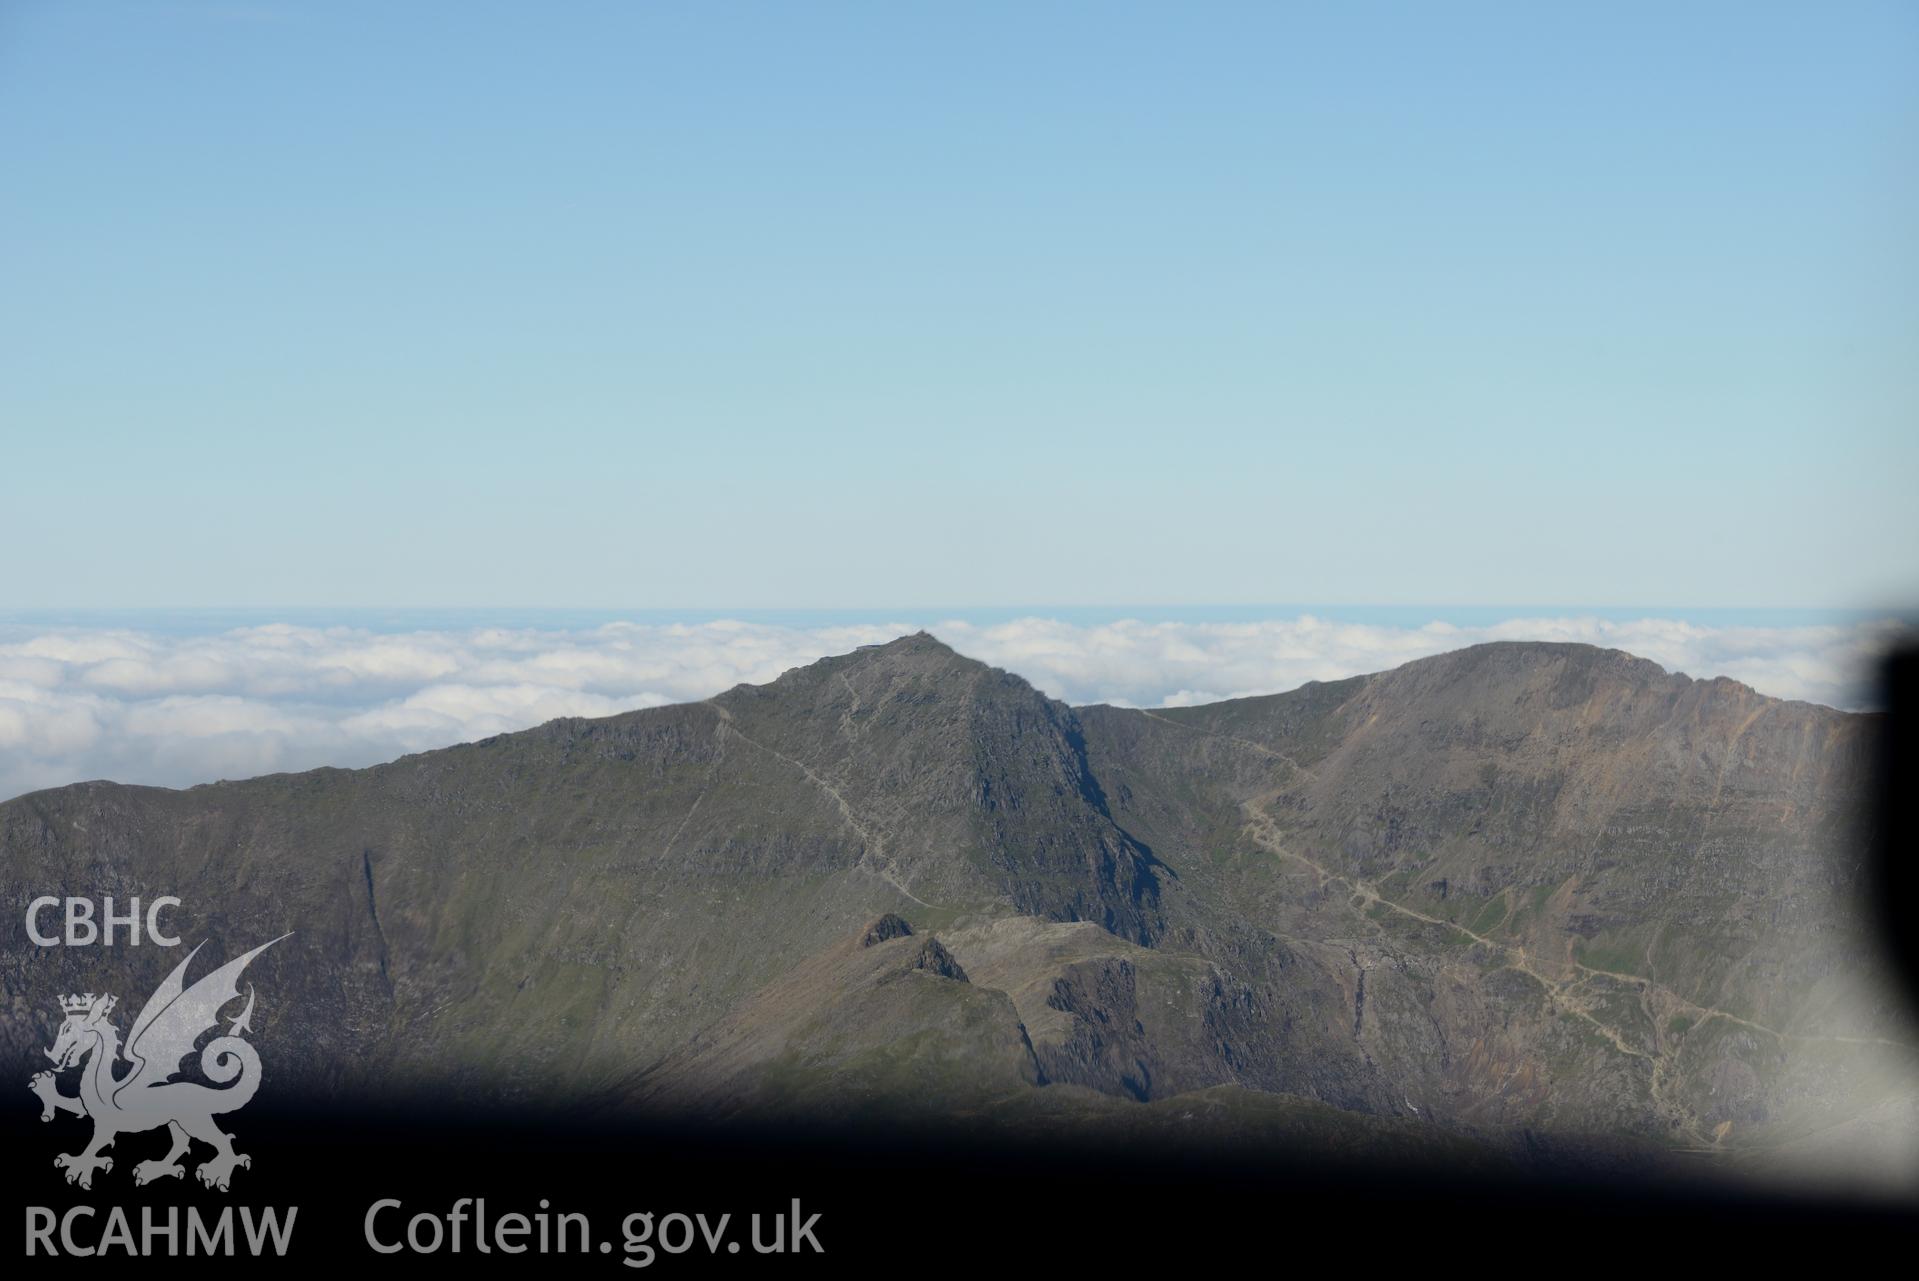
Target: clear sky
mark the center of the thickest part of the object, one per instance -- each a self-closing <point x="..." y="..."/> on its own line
<point x="714" y="305"/>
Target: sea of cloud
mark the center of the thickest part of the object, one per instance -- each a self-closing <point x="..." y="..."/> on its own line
<point x="155" y="707"/>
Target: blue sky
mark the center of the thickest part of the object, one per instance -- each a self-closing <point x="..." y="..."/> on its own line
<point x="834" y="306"/>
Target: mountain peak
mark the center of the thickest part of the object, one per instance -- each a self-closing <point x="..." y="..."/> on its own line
<point x="921" y="644"/>
<point x="1508" y="659"/>
<point x="919" y="640"/>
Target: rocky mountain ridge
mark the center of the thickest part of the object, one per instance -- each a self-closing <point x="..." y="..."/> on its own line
<point x="1514" y="888"/>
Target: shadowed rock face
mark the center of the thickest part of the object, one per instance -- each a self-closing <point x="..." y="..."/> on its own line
<point x="1546" y="886"/>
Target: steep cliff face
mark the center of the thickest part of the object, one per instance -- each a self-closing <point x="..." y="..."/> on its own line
<point x="1519" y="885"/>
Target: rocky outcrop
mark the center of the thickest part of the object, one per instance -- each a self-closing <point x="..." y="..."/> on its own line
<point x="935" y="959"/>
<point x="889" y="926"/>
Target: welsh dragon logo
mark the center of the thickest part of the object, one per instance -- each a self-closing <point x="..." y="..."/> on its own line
<point x="144" y="1097"/>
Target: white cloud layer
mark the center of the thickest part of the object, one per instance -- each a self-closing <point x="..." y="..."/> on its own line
<point x="146" y="707"/>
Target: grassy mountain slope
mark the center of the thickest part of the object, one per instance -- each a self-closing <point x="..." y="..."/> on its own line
<point x="1540" y="886"/>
